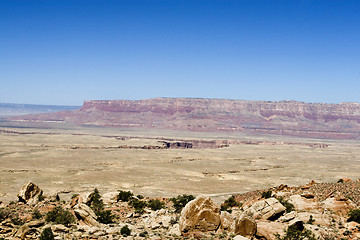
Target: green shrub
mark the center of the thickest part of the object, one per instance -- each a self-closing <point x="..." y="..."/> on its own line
<point x="289" y="206"/>
<point x="125" y="231"/>
<point x="155" y="204"/>
<point x="47" y="234"/>
<point x="16" y="220"/>
<point x="266" y="194"/>
<point x="97" y="203"/>
<point x="140" y="196"/>
<point x="60" y="216"/>
<point x="138" y="205"/>
<point x="144" y="234"/>
<point x="229" y="203"/>
<point x="74" y="195"/>
<point x="311" y="220"/>
<point x="103" y="216"/>
<point x="124" y="196"/>
<point x="36" y="214"/>
<point x="354" y="215"/>
<point x="294" y="234"/>
<point x="180" y="201"/>
<point x="4" y="213"/>
<point x="40" y="198"/>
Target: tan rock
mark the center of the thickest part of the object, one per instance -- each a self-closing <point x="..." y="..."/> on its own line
<point x="269" y="208"/>
<point x="30" y="193"/>
<point x="304" y="204"/>
<point x="110" y="197"/>
<point x="175" y="230"/>
<point x="84" y="213"/>
<point x="200" y="214"/>
<point x="308" y="195"/>
<point x="245" y="226"/>
<point x="239" y="237"/>
<point x="26" y="228"/>
<point x="83" y="198"/>
<point x="227" y="222"/>
<point x="339" y="206"/>
<point x="345" y="180"/>
<point x="268" y="229"/>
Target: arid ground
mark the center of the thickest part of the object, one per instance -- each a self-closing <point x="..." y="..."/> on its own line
<point x="77" y="159"/>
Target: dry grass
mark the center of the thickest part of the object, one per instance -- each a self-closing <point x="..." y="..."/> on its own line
<point x="77" y="160"/>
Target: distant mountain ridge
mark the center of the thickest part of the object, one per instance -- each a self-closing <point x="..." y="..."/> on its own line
<point x="15" y="109"/>
<point x="318" y="120"/>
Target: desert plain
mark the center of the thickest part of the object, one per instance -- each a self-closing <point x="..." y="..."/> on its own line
<point x="73" y="159"/>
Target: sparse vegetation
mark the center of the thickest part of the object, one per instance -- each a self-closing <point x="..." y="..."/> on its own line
<point x="47" y="234"/>
<point x="125" y="196"/>
<point x="289" y="206"/>
<point x="74" y="195"/>
<point x="139" y="205"/>
<point x="40" y="198"/>
<point x="180" y="201"/>
<point x="354" y="215"/>
<point x="60" y="216"/>
<point x="266" y="194"/>
<point x="16" y="220"/>
<point x="229" y="203"/>
<point x="125" y="231"/>
<point x="311" y="220"/>
<point x="155" y="204"/>
<point x="103" y="216"/>
<point x="295" y="234"/>
<point x="36" y="214"/>
<point x="4" y="213"/>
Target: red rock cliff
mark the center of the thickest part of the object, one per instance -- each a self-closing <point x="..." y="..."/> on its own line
<point x="283" y="117"/>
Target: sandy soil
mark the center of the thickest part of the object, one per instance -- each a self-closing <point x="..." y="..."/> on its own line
<point x="77" y="160"/>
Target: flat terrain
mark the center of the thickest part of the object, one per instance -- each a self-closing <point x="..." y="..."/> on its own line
<point x="80" y="159"/>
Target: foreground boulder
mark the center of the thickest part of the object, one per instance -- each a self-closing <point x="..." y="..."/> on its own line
<point x="30" y="194"/>
<point x="245" y="226"/>
<point x="201" y="214"/>
<point x="269" y="208"/>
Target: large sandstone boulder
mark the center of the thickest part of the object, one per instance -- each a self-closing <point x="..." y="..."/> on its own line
<point x="269" y="208"/>
<point x="30" y="193"/>
<point x="245" y="226"/>
<point x="304" y="204"/>
<point x="340" y="206"/>
<point x="227" y="222"/>
<point x="27" y="228"/>
<point x="268" y="229"/>
<point x="201" y="214"/>
<point x="85" y="214"/>
<point x="110" y="198"/>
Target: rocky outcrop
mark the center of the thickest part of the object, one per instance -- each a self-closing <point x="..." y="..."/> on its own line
<point x="269" y="208"/>
<point x="85" y="214"/>
<point x="245" y="226"/>
<point x="30" y="193"/>
<point x="317" y="120"/>
<point x="83" y="198"/>
<point x="200" y="218"/>
<point x="200" y="214"/>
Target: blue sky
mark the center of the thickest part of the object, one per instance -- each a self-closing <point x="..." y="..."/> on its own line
<point x="63" y="52"/>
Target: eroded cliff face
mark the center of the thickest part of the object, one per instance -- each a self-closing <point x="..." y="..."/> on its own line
<point x="283" y="117"/>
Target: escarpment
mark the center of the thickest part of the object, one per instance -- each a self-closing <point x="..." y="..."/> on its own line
<point x="316" y="120"/>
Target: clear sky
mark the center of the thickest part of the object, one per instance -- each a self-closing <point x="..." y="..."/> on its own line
<point x="63" y="52"/>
